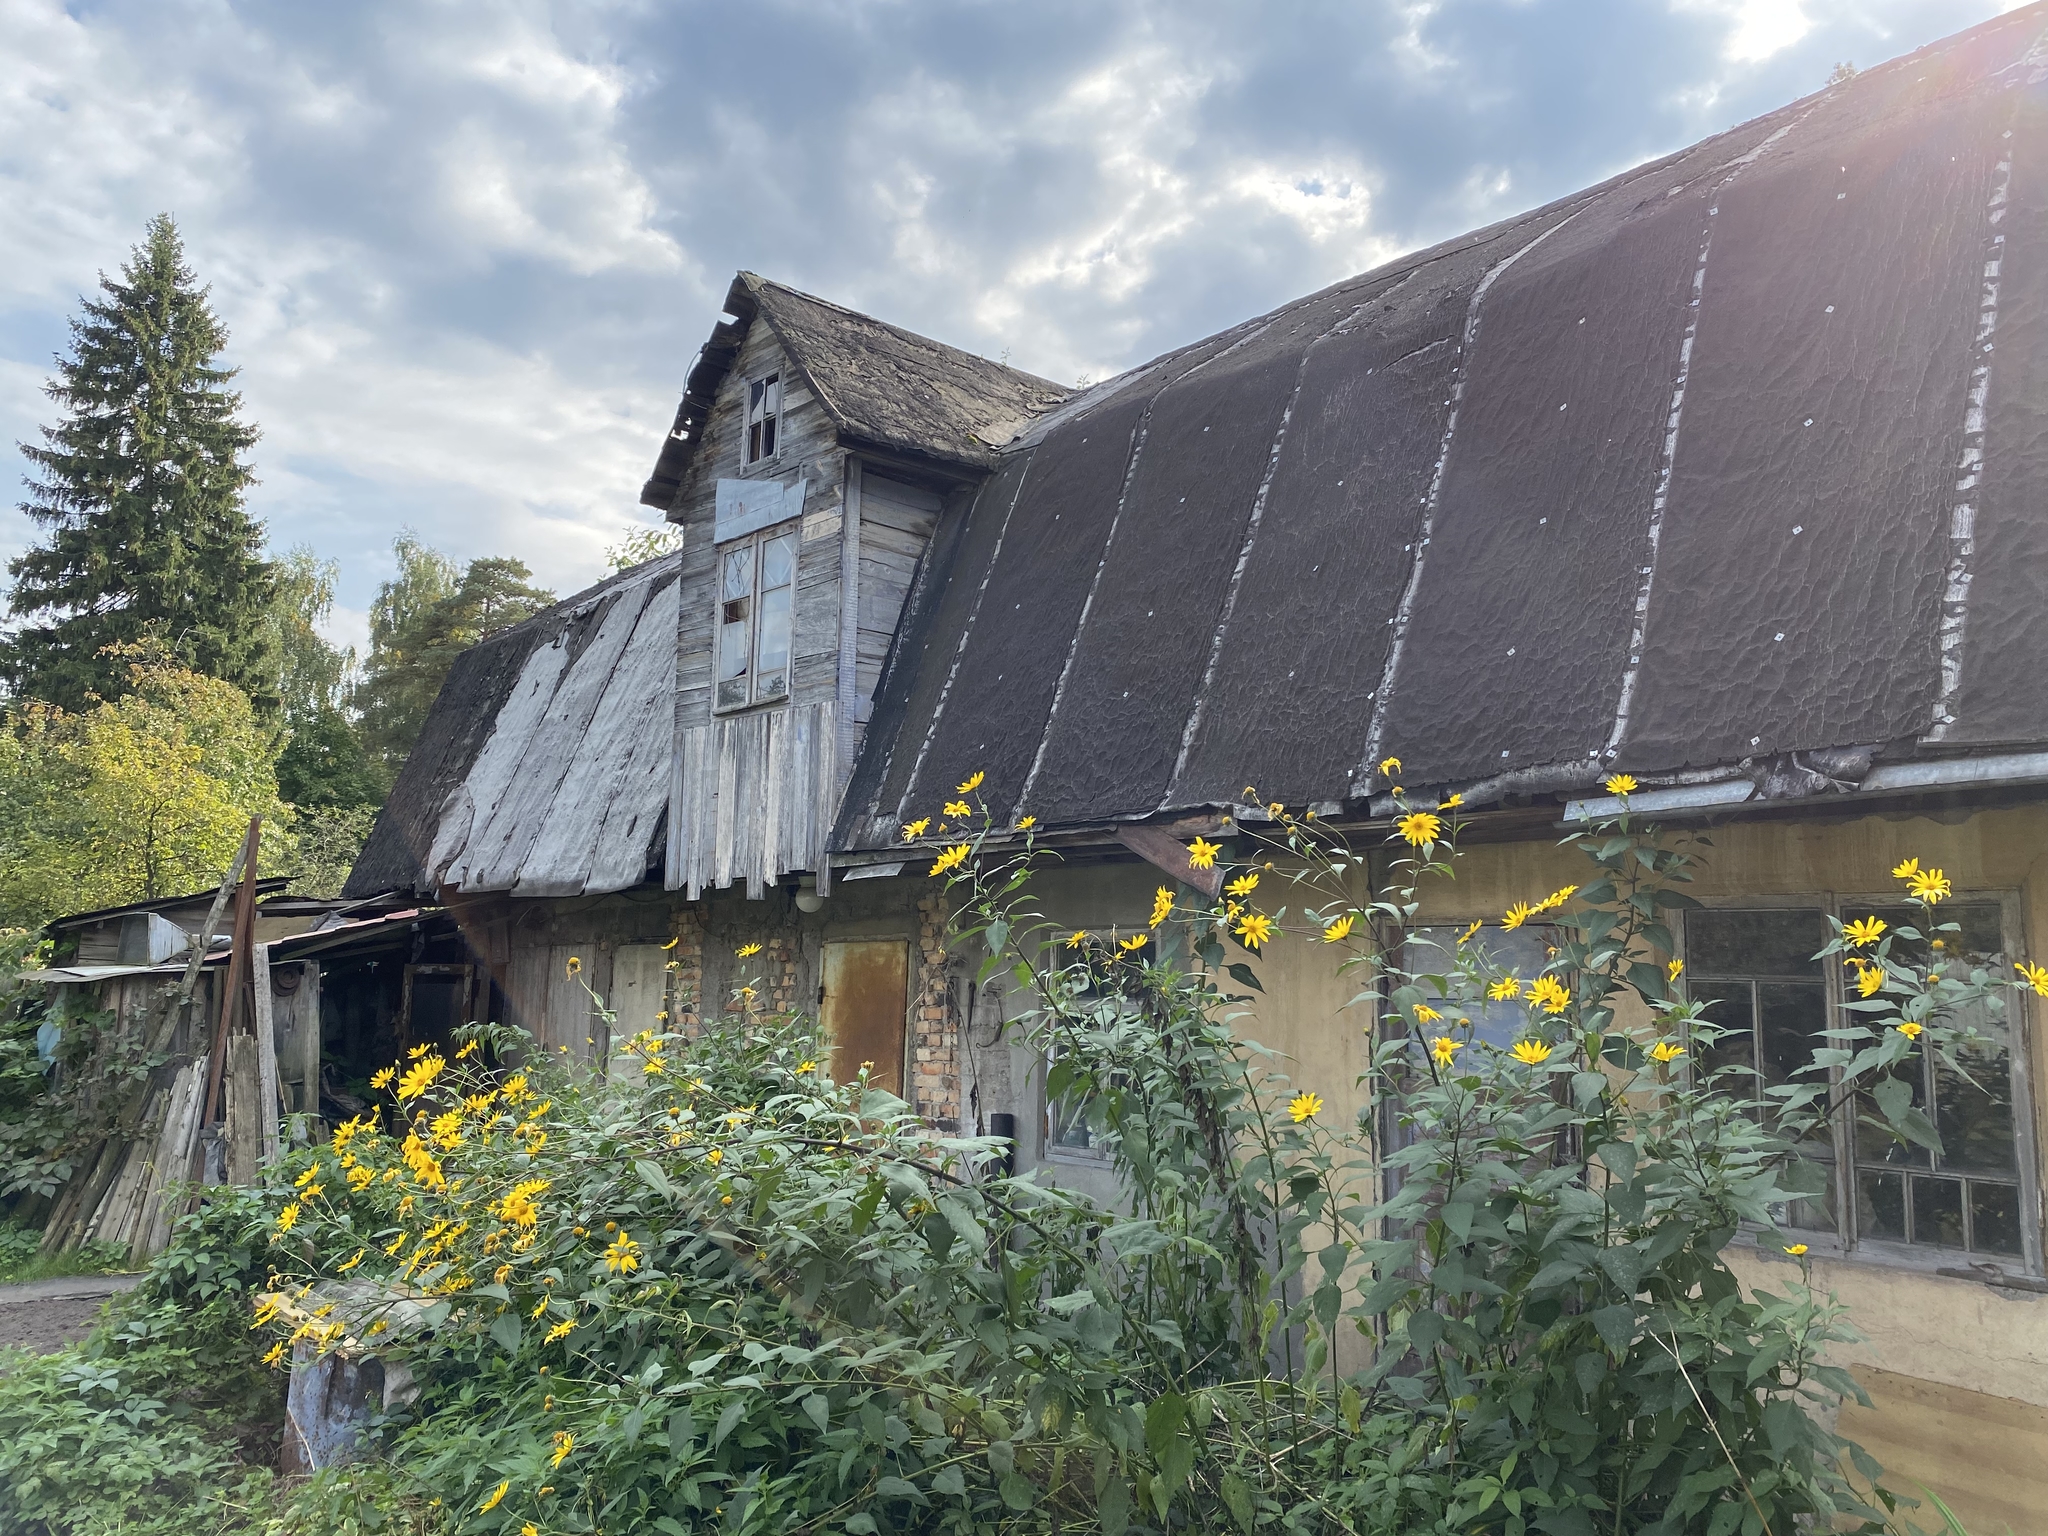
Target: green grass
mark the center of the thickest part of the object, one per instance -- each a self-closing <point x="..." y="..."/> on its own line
<point x="19" y="1259"/>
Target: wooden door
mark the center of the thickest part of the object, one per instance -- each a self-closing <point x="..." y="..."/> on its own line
<point x="865" y="1007"/>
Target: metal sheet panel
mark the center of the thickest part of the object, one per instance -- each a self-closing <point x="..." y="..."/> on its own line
<point x="866" y="1009"/>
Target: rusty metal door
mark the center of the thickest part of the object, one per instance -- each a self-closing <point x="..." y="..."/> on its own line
<point x="866" y="1003"/>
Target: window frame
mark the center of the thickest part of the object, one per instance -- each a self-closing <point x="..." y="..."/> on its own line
<point x="1844" y="1240"/>
<point x="756" y="543"/>
<point x="773" y="420"/>
<point x="1050" y="1149"/>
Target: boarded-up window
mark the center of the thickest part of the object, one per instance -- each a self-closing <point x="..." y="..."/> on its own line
<point x="866" y="1002"/>
<point x="437" y="1000"/>
<point x="640" y="988"/>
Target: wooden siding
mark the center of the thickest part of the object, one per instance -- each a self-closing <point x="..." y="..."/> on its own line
<point x="754" y="798"/>
<point x="809" y="451"/>
<point x="896" y="523"/>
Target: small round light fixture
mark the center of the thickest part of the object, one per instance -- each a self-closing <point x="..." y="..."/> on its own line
<point x="807" y="897"/>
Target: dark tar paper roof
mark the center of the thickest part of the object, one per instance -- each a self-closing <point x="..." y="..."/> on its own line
<point x="1742" y="453"/>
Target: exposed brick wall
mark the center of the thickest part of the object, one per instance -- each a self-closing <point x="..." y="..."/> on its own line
<point x="686" y="971"/>
<point x="934" y="1032"/>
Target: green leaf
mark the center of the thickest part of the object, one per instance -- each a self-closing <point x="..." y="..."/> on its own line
<point x="734" y="1412"/>
<point x="1244" y="976"/>
<point x="1018" y="1491"/>
<point x="949" y="1481"/>
<point x="1237" y="1497"/>
<point x="1163" y="1420"/>
<point x="1114" y="1507"/>
<point x="505" y="1332"/>
<point x="1616" y="1326"/>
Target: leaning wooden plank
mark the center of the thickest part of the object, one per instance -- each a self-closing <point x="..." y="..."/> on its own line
<point x="181" y="1111"/>
<point x="243" y="1111"/>
<point x="266" y="1060"/>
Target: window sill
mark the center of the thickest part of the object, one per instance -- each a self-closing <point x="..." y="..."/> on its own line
<point x="1943" y="1263"/>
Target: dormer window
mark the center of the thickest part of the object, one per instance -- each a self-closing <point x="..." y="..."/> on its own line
<point x="757" y="580"/>
<point x="764" y="416"/>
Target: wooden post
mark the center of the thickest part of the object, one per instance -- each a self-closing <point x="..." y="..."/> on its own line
<point x="239" y="959"/>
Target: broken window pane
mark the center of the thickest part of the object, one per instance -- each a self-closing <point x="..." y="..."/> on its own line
<point x="1520" y="952"/>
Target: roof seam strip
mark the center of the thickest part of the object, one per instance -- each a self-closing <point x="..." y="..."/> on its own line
<point x="1962" y="518"/>
<point x="1660" y="499"/>
<point x="1405" y="611"/>
<point x="960" y="648"/>
<point x="1059" y="691"/>
<point x="1251" y="534"/>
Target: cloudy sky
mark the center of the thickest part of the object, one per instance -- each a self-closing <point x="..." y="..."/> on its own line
<point x="467" y="248"/>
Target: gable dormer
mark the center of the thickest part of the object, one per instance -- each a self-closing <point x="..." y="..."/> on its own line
<point x="811" y="460"/>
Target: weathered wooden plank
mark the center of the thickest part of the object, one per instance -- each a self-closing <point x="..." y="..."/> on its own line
<point x="497" y="764"/>
<point x="506" y="839"/>
<point x="639" y="995"/>
<point x="268" y="1146"/>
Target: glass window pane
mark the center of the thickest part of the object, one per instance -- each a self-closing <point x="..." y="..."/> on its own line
<point x="1765" y="943"/>
<point x="778" y="562"/>
<point x="1880" y="1205"/>
<point x="1729" y="1007"/>
<point x="1980" y="923"/>
<point x="773" y="654"/>
<point x="1974" y="1112"/>
<point x="1994" y="1217"/>
<point x="1791" y="1016"/>
<point x="1521" y="952"/>
<point x="1938" y="1212"/>
<point x="1876" y="1143"/>
<point x="738" y="581"/>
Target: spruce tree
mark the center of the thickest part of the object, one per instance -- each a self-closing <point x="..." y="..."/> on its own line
<point x="140" y="488"/>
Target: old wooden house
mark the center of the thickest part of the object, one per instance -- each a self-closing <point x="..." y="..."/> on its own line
<point x="1729" y="472"/>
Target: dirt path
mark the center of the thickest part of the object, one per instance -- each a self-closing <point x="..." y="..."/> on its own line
<point x="48" y="1314"/>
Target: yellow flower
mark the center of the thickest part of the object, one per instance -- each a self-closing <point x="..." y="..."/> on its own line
<point x="1906" y="870"/>
<point x="1254" y="929"/>
<point x="1505" y="988"/>
<point x="1027" y="823"/>
<point x="913" y="830"/>
<point x="1425" y="1014"/>
<point x="419" y="1077"/>
<point x="1931" y="885"/>
<point x="1466" y="937"/>
<point x="1556" y="899"/>
<point x="1340" y="929"/>
<point x="1621" y="784"/>
<point x="952" y="858"/>
<point x="1202" y="853"/>
<point x="672" y="943"/>
<point x="1868" y="980"/>
<point x="714" y="1157"/>
<point x="746" y="950"/>
<point x="1796" y="1249"/>
<point x="1076" y="939"/>
<point x="1674" y="969"/>
<point x="381" y="1078"/>
<point x="1420" y="827"/>
<point x="417" y="1052"/>
<point x="1909" y="1029"/>
<point x="1666" y="1051"/>
<point x="467" y="1051"/>
<point x="623" y="1257"/>
<point x="288" y="1217"/>
<point x="1531" y="1052"/>
<point x="972" y="782"/>
<point x="564" y="1444"/>
<point x="276" y="1354"/>
<point x="1389" y="765"/>
<point x="1304" y="1106"/>
<point x="1517" y="915"/>
<point x="958" y="808"/>
<point x="1443" y="1048"/>
<point x="558" y="1333"/>
<point x="575" y="965"/>
<point x="344" y="1268"/>
<point x="2035" y="976"/>
<point x="1244" y="884"/>
<point x="495" y="1499"/>
<point x="1864" y="930"/>
<point x="529" y="1529"/>
<point x="1452" y="804"/>
<point x="654" y="1066"/>
<point x="1162" y="906"/>
<point x="1550" y="994"/>
<point x="806" y="1066"/>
